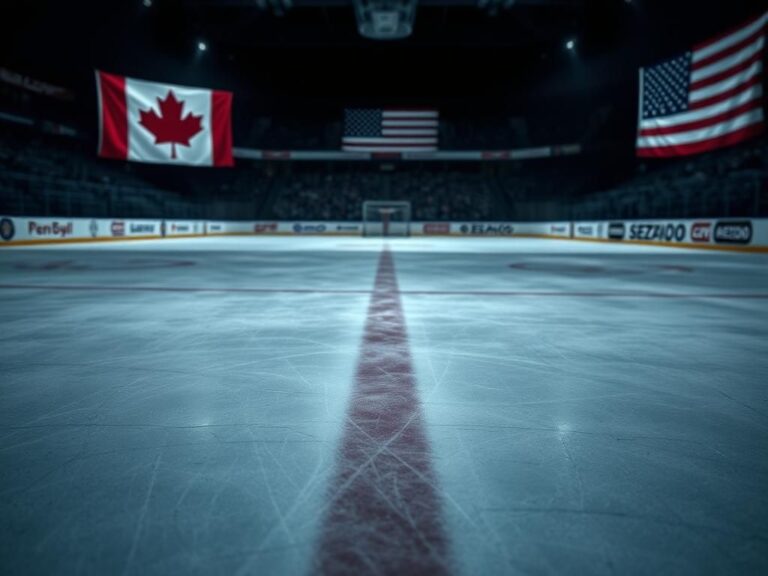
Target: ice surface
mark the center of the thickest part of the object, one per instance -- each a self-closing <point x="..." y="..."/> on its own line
<point x="177" y="406"/>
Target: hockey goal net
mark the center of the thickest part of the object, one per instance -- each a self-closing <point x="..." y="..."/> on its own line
<point x="383" y="218"/>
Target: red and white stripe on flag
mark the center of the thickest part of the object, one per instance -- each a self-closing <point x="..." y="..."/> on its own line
<point x="163" y="123"/>
<point x="720" y="86"/>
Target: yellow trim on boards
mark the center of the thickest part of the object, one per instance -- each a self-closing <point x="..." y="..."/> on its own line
<point x="686" y="245"/>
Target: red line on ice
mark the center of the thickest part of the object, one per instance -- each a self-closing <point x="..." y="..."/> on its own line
<point x="384" y="514"/>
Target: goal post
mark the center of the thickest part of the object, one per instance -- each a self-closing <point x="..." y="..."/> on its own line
<point x="386" y="219"/>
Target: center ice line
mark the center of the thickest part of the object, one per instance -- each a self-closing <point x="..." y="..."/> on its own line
<point x="384" y="513"/>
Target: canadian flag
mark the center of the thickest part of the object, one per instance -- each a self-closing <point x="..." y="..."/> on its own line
<point x="162" y="123"/>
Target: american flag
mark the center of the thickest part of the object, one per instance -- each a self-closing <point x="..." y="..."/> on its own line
<point x="707" y="98"/>
<point x="390" y="130"/>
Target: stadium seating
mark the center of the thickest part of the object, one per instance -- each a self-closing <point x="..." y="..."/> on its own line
<point x="732" y="182"/>
<point x="59" y="176"/>
<point x="435" y="194"/>
<point x="46" y="175"/>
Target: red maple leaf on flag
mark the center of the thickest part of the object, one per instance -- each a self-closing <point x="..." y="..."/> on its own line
<point x="170" y="127"/>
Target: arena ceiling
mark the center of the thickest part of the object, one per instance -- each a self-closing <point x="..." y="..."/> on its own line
<point x="435" y="22"/>
<point x="294" y="56"/>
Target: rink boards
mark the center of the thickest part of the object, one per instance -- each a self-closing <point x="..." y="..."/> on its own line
<point x="739" y="234"/>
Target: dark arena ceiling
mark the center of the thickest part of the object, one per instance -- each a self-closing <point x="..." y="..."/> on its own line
<point x="290" y="56"/>
<point x="435" y="22"/>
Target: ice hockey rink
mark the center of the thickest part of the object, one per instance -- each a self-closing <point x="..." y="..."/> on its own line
<point x="327" y="405"/>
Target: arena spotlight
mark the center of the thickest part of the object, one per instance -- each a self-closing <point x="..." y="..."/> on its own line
<point x="147" y="3"/>
<point x="202" y="46"/>
<point x="570" y="45"/>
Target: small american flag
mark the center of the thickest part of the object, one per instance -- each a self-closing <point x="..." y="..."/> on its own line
<point x="707" y="98"/>
<point x="390" y="130"/>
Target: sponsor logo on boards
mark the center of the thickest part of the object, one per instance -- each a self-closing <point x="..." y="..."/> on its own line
<point x="437" y="228"/>
<point x="142" y="228"/>
<point x="62" y="229"/>
<point x="180" y="227"/>
<point x="118" y="228"/>
<point x="701" y="231"/>
<point x="348" y="228"/>
<point x="616" y="230"/>
<point x="733" y="232"/>
<point x="7" y="229"/>
<point x="585" y="230"/>
<point x="308" y="228"/>
<point x="487" y="229"/>
<point x="558" y="229"/>
<point x="264" y="227"/>
<point x="657" y="232"/>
